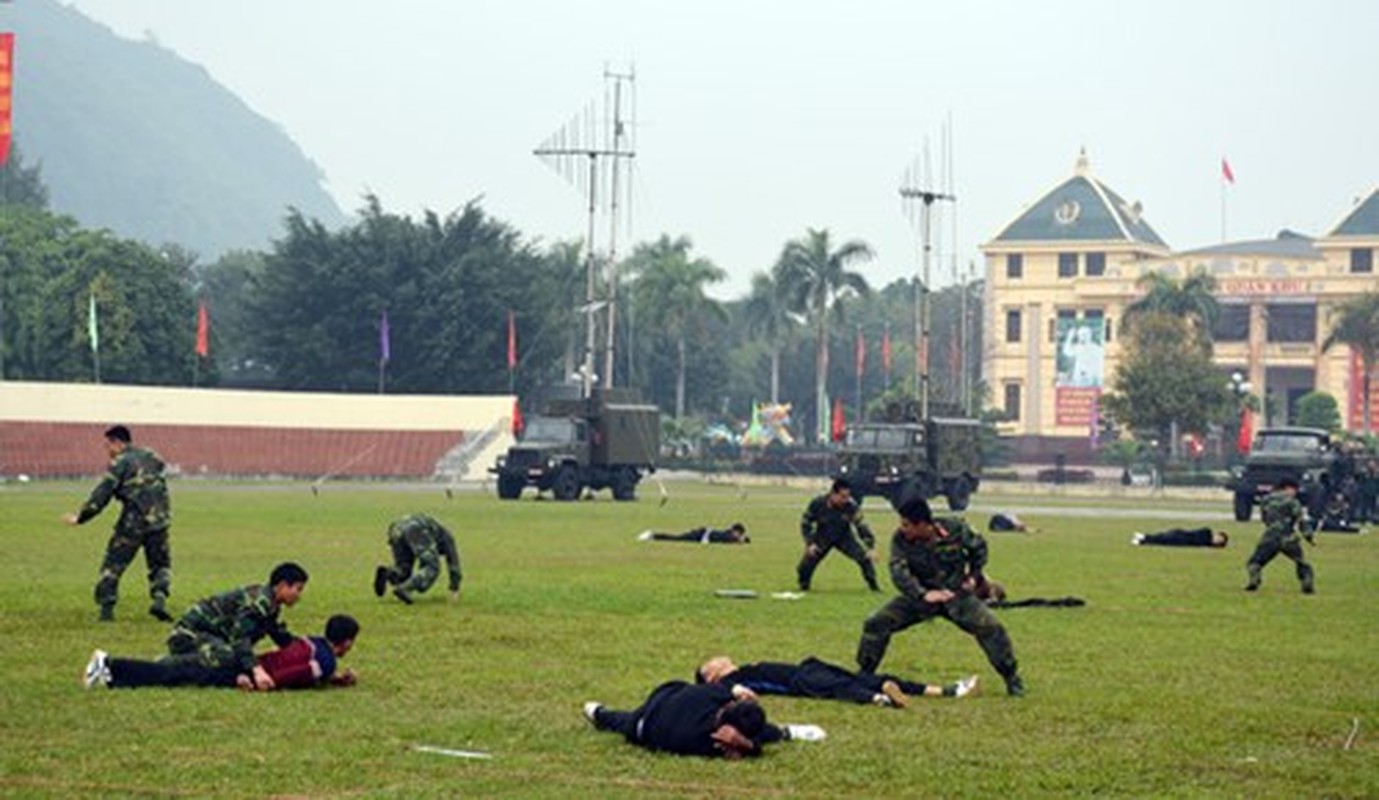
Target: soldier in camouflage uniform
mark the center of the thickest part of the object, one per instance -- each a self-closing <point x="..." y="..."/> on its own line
<point x="827" y="523"/>
<point x="421" y="540"/>
<point x="220" y="631"/>
<point x="1284" y="526"/>
<point x="135" y="478"/>
<point x="937" y="567"/>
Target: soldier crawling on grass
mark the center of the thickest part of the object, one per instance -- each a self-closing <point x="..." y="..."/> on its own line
<point x="135" y="478"/>
<point x="421" y="540"/>
<point x="828" y="522"/>
<point x="221" y="630"/>
<point x="1284" y="527"/>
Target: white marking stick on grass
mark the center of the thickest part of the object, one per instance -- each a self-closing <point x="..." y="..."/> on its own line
<point x="1354" y="729"/>
<point x="445" y="751"/>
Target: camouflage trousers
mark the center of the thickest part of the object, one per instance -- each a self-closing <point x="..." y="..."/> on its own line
<point x="415" y="572"/>
<point x="1268" y="549"/>
<point x="965" y="611"/>
<point x="208" y="650"/>
<point x="119" y="554"/>
<point x="848" y="546"/>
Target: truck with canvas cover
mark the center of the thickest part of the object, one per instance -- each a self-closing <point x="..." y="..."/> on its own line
<point x="609" y="440"/>
<point x="939" y="456"/>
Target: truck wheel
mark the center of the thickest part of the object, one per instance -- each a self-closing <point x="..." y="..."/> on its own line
<point x="625" y="485"/>
<point x="1244" y="506"/>
<point x="510" y="487"/>
<point x="959" y="494"/>
<point x="566" y="485"/>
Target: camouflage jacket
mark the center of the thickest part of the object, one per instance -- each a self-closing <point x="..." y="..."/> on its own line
<point x="423" y="534"/>
<point x="917" y="567"/>
<point x="239" y="617"/>
<point x="1282" y="515"/>
<point x="824" y="523"/>
<point x="135" y="478"/>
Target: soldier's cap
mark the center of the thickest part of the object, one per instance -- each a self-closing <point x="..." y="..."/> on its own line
<point x="916" y="509"/>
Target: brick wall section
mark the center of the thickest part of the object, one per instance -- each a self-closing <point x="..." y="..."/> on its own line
<point x="64" y="449"/>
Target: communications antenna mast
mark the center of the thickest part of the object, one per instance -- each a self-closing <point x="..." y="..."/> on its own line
<point x="909" y="193"/>
<point x="577" y="151"/>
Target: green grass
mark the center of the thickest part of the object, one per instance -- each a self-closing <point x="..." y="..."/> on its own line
<point x="1172" y="682"/>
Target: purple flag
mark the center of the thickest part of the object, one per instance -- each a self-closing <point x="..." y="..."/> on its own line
<point x="384" y="351"/>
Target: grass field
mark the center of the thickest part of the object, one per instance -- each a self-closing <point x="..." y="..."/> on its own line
<point x="1171" y="682"/>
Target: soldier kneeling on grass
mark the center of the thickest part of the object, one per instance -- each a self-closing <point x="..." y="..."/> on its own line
<point x="421" y="541"/>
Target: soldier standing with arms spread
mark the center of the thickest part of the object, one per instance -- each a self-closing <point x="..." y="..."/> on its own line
<point x="1283" y="527"/>
<point x="421" y="539"/>
<point x="937" y="567"/>
<point x="827" y="523"/>
<point x="135" y="478"/>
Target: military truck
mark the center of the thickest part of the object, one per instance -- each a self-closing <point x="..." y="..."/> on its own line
<point x="609" y="440"/>
<point x="1304" y="454"/>
<point x="940" y="456"/>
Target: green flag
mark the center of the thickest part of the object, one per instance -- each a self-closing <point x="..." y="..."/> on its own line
<point x="92" y="329"/>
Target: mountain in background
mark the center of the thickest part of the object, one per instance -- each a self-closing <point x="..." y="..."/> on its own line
<point x="134" y="138"/>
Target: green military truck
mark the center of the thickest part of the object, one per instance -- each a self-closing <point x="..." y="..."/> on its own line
<point x="609" y="440"/>
<point x="1304" y="454"/>
<point x="940" y="456"/>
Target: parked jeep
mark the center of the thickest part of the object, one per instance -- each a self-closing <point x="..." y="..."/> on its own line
<point x="1304" y="454"/>
<point x="890" y="459"/>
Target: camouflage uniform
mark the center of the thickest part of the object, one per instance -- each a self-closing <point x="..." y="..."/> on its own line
<point x="917" y="567"/>
<point x="421" y="540"/>
<point x="827" y="527"/>
<point x="1283" y="520"/>
<point x="220" y="631"/>
<point x="135" y="478"/>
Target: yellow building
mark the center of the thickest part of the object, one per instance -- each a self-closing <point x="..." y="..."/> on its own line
<point x="1061" y="274"/>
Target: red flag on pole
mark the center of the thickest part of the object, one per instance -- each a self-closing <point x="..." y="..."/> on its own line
<point x="861" y="352"/>
<point x="839" y="424"/>
<point x="886" y="349"/>
<point x="1242" y="444"/>
<point x="6" y="93"/>
<point x="203" y="331"/>
<point x="1226" y="174"/>
<point x="512" y="341"/>
<point x="517" y="423"/>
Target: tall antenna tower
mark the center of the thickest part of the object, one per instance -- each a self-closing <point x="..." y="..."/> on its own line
<point x="912" y="192"/>
<point x="585" y="152"/>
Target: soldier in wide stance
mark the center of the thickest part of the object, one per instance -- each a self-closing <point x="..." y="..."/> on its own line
<point x="135" y="478"/>
<point x="937" y="567"/>
<point x="421" y="540"/>
<point x="1283" y="529"/>
<point x="828" y="522"/>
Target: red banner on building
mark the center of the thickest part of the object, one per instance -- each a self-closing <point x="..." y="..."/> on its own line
<point x="6" y="93"/>
<point x="1073" y="406"/>
<point x="1357" y="396"/>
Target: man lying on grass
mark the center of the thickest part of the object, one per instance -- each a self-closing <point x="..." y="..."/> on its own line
<point x="301" y="664"/>
<point x="815" y="678"/>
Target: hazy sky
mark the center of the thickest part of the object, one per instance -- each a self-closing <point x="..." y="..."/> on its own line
<point x="757" y="120"/>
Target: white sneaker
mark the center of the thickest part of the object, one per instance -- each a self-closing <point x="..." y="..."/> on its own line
<point x="644" y="536"/>
<point x="97" y="670"/>
<point x="1138" y="538"/>
<point x="965" y="686"/>
<point x="590" y="709"/>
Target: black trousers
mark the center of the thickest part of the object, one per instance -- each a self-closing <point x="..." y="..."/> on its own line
<point x="128" y="673"/>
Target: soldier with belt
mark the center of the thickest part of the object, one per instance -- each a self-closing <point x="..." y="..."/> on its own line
<point x="937" y="565"/>
<point x="1283" y="528"/>
<point x="828" y="522"/>
<point x="421" y="540"/>
<point x="135" y="478"/>
<point x="220" y="631"/>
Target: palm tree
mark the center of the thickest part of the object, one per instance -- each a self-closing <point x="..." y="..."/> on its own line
<point x="1193" y="299"/>
<point x="670" y="288"/>
<point x="768" y="317"/>
<point x="1356" y="324"/>
<point x="814" y="279"/>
